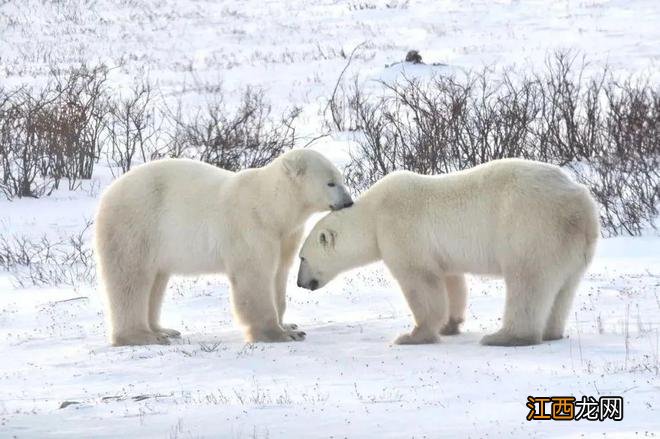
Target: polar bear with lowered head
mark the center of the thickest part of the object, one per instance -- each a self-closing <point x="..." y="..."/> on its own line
<point x="525" y="221"/>
<point x="179" y="216"/>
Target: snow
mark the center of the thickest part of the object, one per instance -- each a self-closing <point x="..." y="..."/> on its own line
<point x="345" y="380"/>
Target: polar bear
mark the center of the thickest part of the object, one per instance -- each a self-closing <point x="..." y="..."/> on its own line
<point x="179" y="216"/>
<point x="523" y="220"/>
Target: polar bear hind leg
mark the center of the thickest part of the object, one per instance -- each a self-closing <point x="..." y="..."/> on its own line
<point x="529" y="299"/>
<point x="155" y="304"/>
<point x="457" y="296"/>
<point x="128" y="297"/>
<point x="556" y="324"/>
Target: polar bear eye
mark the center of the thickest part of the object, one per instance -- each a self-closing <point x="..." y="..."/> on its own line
<point x="331" y="184"/>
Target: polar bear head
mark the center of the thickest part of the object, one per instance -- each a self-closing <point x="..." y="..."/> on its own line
<point x="318" y="183"/>
<point x="318" y="257"/>
<point x="338" y="242"/>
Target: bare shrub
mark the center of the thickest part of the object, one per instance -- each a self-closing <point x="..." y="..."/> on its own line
<point x="604" y="130"/>
<point x="75" y="123"/>
<point x="45" y="261"/>
<point x="247" y="138"/>
<point x="51" y="133"/>
<point x="623" y="172"/>
<point x="60" y="130"/>
<point x="21" y="146"/>
<point x="442" y="125"/>
<point x="131" y="127"/>
<point x="340" y="108"/>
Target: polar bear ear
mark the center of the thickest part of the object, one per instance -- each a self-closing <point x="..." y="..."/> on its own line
<point x="295" y="166"/>
<point x="327" y="238"/>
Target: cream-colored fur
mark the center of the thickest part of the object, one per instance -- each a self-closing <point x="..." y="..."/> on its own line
<point x="178" y="216"/>
<point x="522" y="220"/>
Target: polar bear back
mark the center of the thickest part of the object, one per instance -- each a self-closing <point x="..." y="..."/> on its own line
<point x="139" y="207"/>
<point x="485" y="219"/>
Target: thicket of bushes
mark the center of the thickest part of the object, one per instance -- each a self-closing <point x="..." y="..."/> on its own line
<point x="50" y="134"/>
<point x="247" y="138"/>
<point x="606" y="131"/>
<point x="59" y="131"/>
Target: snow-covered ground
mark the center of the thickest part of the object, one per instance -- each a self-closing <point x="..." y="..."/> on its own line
<point x="296" y="49"/>
<point x="345" y="380"/>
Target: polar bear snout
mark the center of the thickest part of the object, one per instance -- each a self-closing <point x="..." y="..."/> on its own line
<point x="305" y="278"/>
<point x="311" y="285"/>
<point x="344" y="200"/>
<point x="341" y="206"/>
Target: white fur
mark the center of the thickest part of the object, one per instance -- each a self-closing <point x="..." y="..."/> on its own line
<point x="523" y="220"/>
<point x="178" y="216"/>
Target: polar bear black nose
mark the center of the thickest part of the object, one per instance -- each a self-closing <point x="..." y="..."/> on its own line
<point x="348" y="203"/>
<point x="313" y="284"/>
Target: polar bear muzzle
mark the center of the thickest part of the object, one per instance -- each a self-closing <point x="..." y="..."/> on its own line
<point x="342" y="198"/>
<point x="305" y="278"/>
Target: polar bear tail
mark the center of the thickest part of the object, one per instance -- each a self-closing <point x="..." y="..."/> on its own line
<point x="591" y="227"/>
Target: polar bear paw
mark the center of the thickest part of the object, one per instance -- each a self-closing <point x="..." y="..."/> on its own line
<point x="417" y="337"/>
<point x="553" y="335"/>
<point x="451" y="327"/>
<point x="275" y="335"/>
<point x="169" y="333"/>
<point x="297" y="335"/>
<point x="139" y="338"/>
<point x="289" y="326"/>
<point x="505" y="338"/>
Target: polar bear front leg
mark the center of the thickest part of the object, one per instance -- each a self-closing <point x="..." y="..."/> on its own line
<point x="427" y="298"/>
<point x="280" y="297"/>
<point x="253" y="304"/>
<point x="287" y="254"/>
<point x="457" y="296"/>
